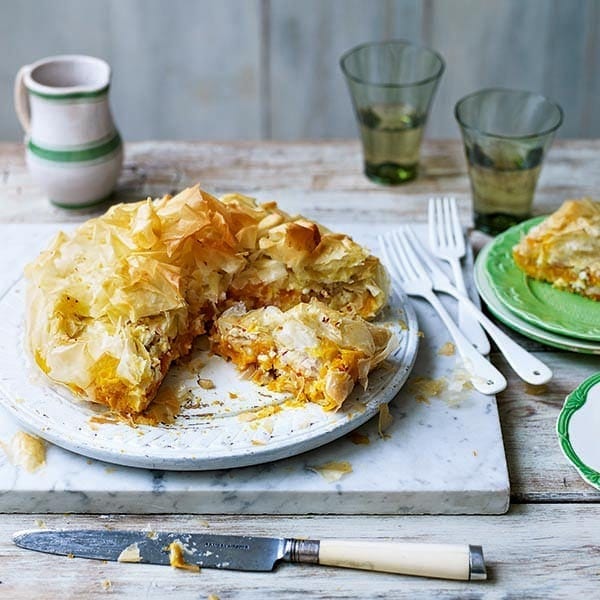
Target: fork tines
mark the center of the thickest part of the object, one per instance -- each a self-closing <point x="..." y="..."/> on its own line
<point x="445" y="230"/>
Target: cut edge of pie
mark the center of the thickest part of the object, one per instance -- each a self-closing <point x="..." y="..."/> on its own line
<point x="564" y="249"/>
<point x="311" y="351"/>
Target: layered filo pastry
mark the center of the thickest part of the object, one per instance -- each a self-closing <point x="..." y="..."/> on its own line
<point x="113" y="304"/>
<point x="311" y="351"/>
<point x="564" y="249"/>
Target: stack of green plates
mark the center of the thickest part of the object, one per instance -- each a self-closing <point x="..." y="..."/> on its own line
<point x="534" y="308"/>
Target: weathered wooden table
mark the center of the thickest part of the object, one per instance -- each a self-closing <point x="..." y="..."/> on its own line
<point x="547" y="546"/>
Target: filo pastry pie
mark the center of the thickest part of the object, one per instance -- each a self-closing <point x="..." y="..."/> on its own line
<point x="564" y="249"/>
<point x="110" y="306"/>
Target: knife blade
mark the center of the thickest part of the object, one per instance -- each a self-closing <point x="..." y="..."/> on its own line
<point x="250" y="553"/>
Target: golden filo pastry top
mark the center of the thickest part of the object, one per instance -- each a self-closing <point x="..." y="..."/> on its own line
<point x="565" y="248"/>
<point x="110" y="306"/>
<point x="310" y="350"/>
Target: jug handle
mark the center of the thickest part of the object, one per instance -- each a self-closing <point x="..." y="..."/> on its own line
<point x="21" y="100"/>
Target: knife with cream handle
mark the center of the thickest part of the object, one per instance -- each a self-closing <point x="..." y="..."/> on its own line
<point x="249" y="553"/>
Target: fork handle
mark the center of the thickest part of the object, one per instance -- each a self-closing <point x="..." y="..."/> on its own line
<point x="484" y="376"/>
<point x="524" y="364"/>
<point x="466" y="320"/>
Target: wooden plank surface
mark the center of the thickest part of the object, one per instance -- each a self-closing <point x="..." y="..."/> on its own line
<point x="308" y="91"/>
<point x="547" y="545"/>
<point x="572" y="169"/>
<point x="199" y="69"/>
<point x="591" y="115"/>
<point x="340" y="193"/>
<point x="495" y="37"/>
<point x="565" y="65"/>
<point x="537" y="469"/>
<point x="190" y="71"/>
<point x="535" y="551"/>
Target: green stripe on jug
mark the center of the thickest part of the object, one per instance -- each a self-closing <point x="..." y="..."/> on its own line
<point x="70" y="156"/>
<point x="76" y="147"/>
<point x="82" y="164"/>
<point x="575" y="400"/>
<point x="70" y="96"/>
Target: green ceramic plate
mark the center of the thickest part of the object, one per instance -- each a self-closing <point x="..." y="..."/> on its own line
<point x="487" y="292"/>
<point x="577" y="429"/>
<point x="535" y="301"/>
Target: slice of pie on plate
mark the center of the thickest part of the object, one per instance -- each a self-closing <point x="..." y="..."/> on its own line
<point x="314" y="352"/>
<point x="110" y="306"/>
<point x="564" y="249"/>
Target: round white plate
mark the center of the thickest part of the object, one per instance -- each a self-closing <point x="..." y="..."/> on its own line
<point x="502" y="313"/>
<point x="219" y="428"/>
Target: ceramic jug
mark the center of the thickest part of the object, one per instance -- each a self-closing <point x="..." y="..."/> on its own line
<point x="73" y="148"/>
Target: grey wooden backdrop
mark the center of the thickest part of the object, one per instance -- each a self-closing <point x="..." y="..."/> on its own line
<point x="268" y="69"/>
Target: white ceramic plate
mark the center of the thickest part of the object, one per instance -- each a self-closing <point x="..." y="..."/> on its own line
<point x="222" y="432"/>
<point x="501" y="312"/>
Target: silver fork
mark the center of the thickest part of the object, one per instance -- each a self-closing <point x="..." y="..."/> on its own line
<point x="524" y="364"/>
<point x="407" y="271"/>
<point x="447" y="241"/>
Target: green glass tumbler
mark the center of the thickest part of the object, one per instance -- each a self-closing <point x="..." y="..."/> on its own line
<point x="506" y="135"/>
<point x="391" y="84"/>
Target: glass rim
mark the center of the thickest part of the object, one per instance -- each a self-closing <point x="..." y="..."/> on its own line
<point x="428" y="79"/>
<point x="500" y="136"/>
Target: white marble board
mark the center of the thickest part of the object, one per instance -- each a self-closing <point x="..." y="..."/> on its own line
<point x="435" y="458"/>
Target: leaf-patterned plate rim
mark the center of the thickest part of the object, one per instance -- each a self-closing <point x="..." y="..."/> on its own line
<point x="573" y="403"/>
